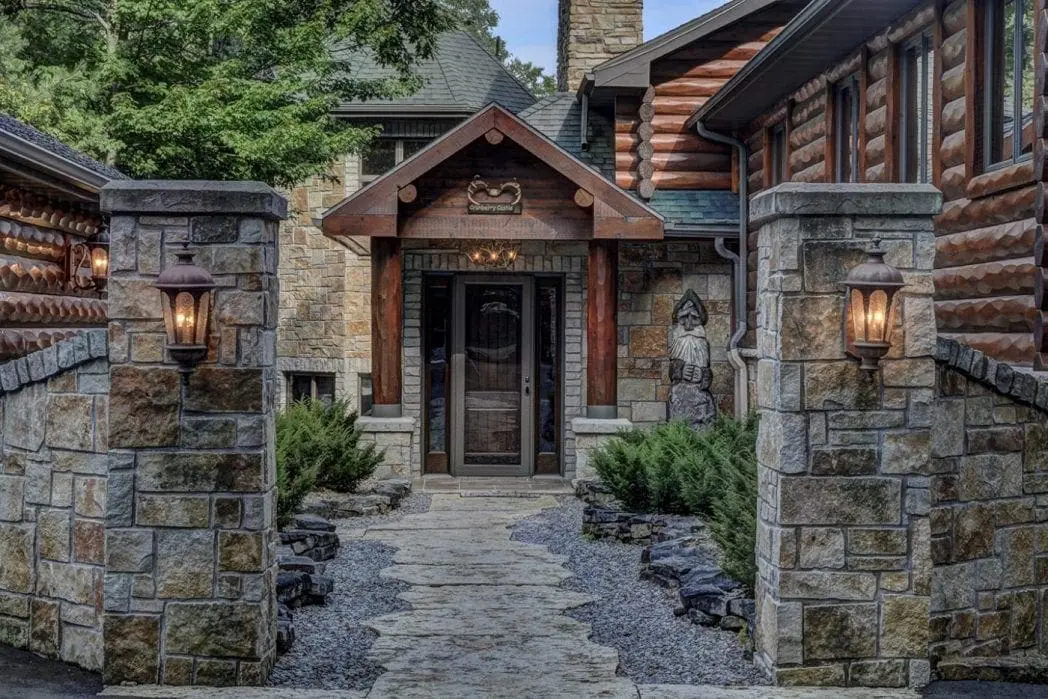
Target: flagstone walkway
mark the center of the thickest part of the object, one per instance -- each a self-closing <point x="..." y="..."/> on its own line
<point x="487" y="620"/>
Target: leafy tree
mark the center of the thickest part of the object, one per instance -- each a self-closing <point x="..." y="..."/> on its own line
<point x="207" y="88"/>
<point x="532" y="77"/>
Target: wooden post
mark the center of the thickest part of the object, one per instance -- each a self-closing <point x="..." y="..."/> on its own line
<point x="387" y="322"/>
<point x="602" y="330"/>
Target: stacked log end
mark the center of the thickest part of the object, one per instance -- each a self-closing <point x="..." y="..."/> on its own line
<point x="646" y="130"/>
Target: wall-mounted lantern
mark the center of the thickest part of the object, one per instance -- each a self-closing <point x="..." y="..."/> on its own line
<point x="872" y="290"/>
<point x="187" y="304"/>
<point x="97" y="254"/>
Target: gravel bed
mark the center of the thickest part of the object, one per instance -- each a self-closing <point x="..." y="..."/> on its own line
<point x="331" y="645"/>
<point x="635" y="616"/>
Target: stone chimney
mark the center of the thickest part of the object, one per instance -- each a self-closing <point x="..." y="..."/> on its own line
<point x="593" y="31"/>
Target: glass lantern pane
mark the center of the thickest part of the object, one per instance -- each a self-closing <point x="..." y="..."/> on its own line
<point x="877" y="316"/>
<point x="858" y="316"/>
<point x="203" y="309"/>
<point x="185" y="319"/>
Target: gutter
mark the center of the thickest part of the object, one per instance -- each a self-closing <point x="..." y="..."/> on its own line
<point x="735" y="356"/>
<point x="53" y="164"/>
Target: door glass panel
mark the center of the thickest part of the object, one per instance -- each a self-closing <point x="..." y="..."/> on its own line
<point x="438" y="319"/>
<point x="492" y="380"/>
<point x="548" y="357"/>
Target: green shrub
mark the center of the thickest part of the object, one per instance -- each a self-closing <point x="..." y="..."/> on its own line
<point x="318" y="445"/>
<point x="712" y="473"/>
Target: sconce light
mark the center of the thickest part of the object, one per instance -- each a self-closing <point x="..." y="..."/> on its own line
<point x="187" y="303"/>
<point x="872" y="289"/>
<point x="491" y="253"/>
<point x="95" y="252"/>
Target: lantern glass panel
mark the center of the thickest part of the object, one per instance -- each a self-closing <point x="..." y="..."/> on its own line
<point x="858" y="315"/>
<point x="99" y="262"/>
<point x="877" y="316"/>
<point x="185" y="317"/>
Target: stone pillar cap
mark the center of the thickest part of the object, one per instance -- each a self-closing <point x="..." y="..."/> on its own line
<point x="801" y="199"/>
<point x="186" y="197"/>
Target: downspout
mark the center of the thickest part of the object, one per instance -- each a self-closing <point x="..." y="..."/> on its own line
<point x="742" y="379"/>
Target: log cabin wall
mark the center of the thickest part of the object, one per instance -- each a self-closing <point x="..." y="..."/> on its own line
<point x="653" y="147"/>
<point x="38" y="307"/>
<point x="990" y="255"/>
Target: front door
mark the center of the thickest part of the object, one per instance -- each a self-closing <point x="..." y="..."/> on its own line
<point x="492" y="375"/>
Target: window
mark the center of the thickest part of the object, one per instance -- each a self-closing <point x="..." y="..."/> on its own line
<point x="386" y="153"/>
<point x="367" y="398"/>
<point x="311" y="387"/>
<point x="917" y="75"/>
<point x="779" y="154"/>
<point x="846" y="129"/>
<point x="1009" y="82"/>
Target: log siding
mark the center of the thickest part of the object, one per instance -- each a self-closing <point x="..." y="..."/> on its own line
<point x="991" y="255"/>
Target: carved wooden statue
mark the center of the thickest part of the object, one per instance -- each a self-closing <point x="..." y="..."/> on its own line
<point x="690" y="373"/>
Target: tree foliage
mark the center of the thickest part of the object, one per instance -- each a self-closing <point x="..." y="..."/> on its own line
<point x="207" y="88"/>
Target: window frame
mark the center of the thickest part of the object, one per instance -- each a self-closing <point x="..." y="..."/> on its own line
<point x="849" y="83"/>
<point x="778" y="154"/>
<point x="290" y="376"/>
<point x="398" y="156"/>
<point x="992" y="94"/>
<point x="923" y="44"/>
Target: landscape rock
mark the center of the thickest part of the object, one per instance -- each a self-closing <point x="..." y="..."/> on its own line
<point x="313" y="523"/>
<point x="320" y="546"/>
<point x="372" y="498"/>
<point x="285" y="629"/>
<point x="629" y="528"/>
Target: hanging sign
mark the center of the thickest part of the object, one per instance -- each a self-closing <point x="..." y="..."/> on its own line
<point x="503" y="199"/>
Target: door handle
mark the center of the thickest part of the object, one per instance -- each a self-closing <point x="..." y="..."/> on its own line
<point x="527" y="385"/>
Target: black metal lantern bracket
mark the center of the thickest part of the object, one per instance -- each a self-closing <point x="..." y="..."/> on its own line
<point x="186" y="290"/>
<point x="872" y="292"/>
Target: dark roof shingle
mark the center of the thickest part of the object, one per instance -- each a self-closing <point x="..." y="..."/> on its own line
<point x="557" y="117"/>
<point x="461" y="76"/>
<point x="25" y="132"/>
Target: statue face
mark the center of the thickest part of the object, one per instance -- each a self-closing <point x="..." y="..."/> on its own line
<point x="688" y="317"/>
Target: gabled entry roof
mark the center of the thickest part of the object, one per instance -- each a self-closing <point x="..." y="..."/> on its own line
<point x="587" y="204"/>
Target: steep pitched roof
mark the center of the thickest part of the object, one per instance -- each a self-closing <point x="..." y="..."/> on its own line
<point x="37" y="149"/>
<point x="559" y="118"/>
<point x="460" y="78"/>
<point x="373" y="210"/>
<point x="633" y="68"/>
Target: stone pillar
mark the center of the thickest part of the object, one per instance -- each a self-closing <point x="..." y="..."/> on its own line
<point x="387" y="327"/>
<point x="591" y="32"/>
<point x="190" y="519"/>
<point x="843" y="537"/>
<point x="602" y="335"/>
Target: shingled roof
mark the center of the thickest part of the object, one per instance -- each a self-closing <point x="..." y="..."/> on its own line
<point x="558" y="117"/>
<point x="22" y="141"/>
<point x="460" y="79"/>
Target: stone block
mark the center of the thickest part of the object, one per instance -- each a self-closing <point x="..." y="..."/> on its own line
<point x="222" y="389"/>
<point x="14" y="632"/>
<point x="213" y="229"/>
<point x="25" y="416"/>
<point x="907" y="452"/>
<point x="904" y="626"/>
<point x="88" y="542"/>
<point x="53" y="529"/>
<point x="37" y="483"/>
<point x="89" y="496"/>
<point x="974" y="528"/>
<point x="83" y="647"/>
<point x="1017" y="556"/>
<point x="216" y="673"/>
<point x="185" y="564"/>
<point x="909" y="373"/>
<point x="199" y="472"/>
<point x="955" y="586"/>
<point x="877" y="542"/>
<point x="131" y="649"/>
<point x="844" y="462"/>
<point x="811" y="328"/>
<point x="839" y="386"/>
<point x="120" y="498"/>
<point x="780" y="629"/>
<point x="878" y="673"/>
<point x="144" y="408"/>
<point x="16" y="552"/>
<point x="14" y="605"/>
<point x="178" y="672"/>
<point x="825" y="585"/>
<point x="821" y="548"/>
<point x="134" y="299"/>
<point x="12" y="498"/>
<point x="209" y="434"/>
<point x="173" y="511"/>
<point x="74" y="583"/>
<point x="213" y="629"/>
<point x="44" y="628"/>
<point x="240" y="551"/>
<point x="649" y="341"/>
<point x="227" y="513"/>
<point x="129" y="550"/>
<point x="811" y="676"/>
<point x="990" y="476"/>
<point x="840" y="501"/>
<point x="240" y="308"/>
<point x="70" y="422"/>
<point x="840" y="631"/>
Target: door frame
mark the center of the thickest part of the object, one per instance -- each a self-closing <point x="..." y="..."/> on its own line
<point x="457" y="435"/>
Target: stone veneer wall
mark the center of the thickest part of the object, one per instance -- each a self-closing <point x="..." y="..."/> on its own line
<point x="53" y="465"/>
<point x="989" y="512"/>
<point x="190" y="518"/>
<point x="325" y="289"/>
<point x="591" y="32"/>
<point x="652" y="278"/>
<point x="844" y="457"/>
